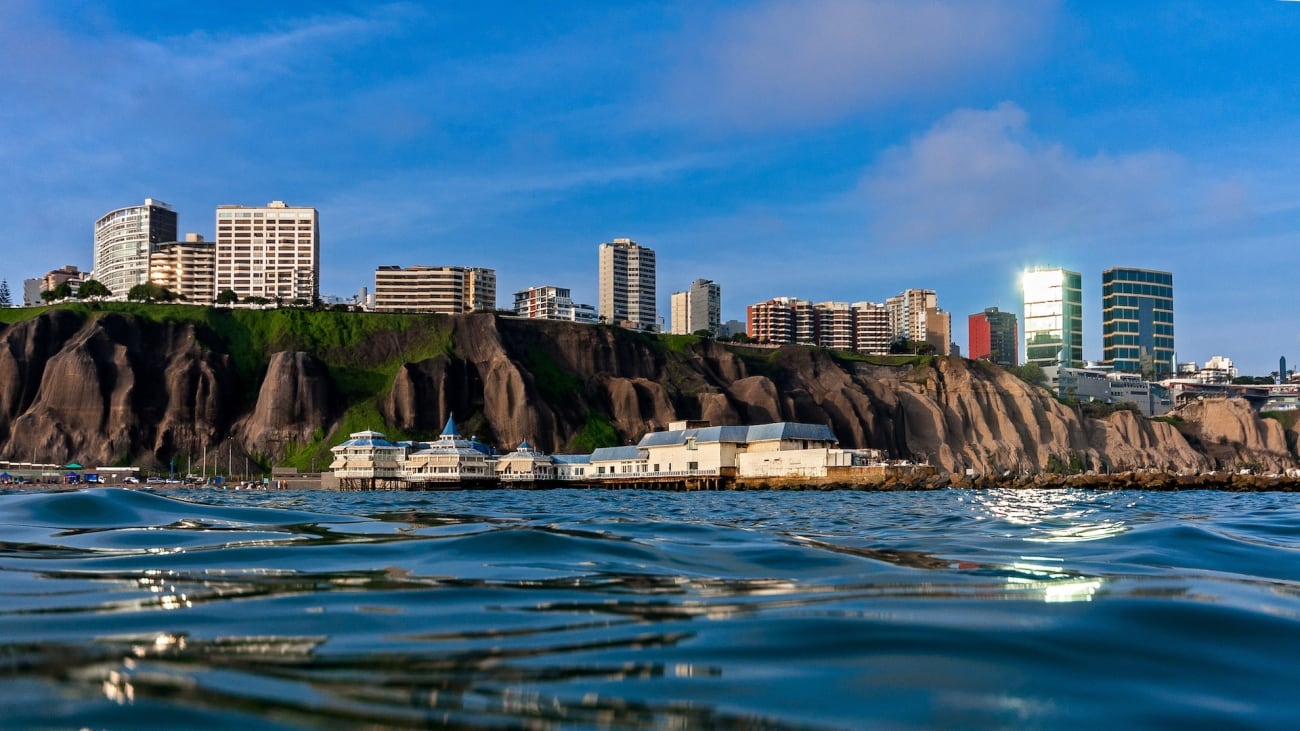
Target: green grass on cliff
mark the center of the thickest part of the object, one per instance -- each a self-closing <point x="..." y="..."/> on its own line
<point x="362" y="351"/>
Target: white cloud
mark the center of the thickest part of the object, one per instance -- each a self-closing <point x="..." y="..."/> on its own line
<point x="979" y="174"/>
<point x="789" y="63"/>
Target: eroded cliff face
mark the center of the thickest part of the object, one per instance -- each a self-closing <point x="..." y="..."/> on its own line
<point x="115" y="388"/>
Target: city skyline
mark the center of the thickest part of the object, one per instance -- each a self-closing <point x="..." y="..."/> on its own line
<point x="891" y="148"/>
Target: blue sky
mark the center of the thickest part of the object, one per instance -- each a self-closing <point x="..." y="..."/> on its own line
<point x="825" y="150"/>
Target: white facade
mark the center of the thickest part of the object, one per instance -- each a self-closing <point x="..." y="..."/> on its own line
<point x="271" y="252"/>
<point x="552" y="303"/>
<point x="367" y="455"/>
<point x="627" y="285"/>
<point x="123" y="239"/>
<point x="698" y="308"/>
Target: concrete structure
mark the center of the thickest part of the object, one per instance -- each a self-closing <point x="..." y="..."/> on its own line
<point x="991" y="335"/>
<point x="627" y="285"/>
<point x="1137" y="321"/>
<point x="773" y="322"/>
<point x="914" y="314"/>
<point x="32" y="292"/>
<point x="448" y="290"/>
<point x="123" y="239"/>
<point x="551" y="303"/>
<point x="872" y="321"/>
<point x="861" y="326"/>
<point x="697" y="308"/>
<point x="1101" y="384"/>
<point x="1053" y="318"/>
<point x="272" y="252"/>
<point x="186" y="268"/>
<point x="66" y="274"/>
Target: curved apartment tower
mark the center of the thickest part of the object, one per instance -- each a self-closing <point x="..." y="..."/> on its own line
<point x="123" y="240"/>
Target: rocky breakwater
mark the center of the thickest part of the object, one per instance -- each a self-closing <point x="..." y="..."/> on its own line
<point x="109" y="387"/>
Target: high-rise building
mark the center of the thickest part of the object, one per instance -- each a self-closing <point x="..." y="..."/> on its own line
<point x="860" y="326"/>
<point x="914" y="315"/>
<point x="1137" y="321"/>
<point x="32" y="292"/>
<point x="992" y="336"/>
<point x="1053" y="317"/>
<point x="627" y="285"/>
<point x="271" y="252"/>
<point x="772" y="322"/>
<point x="449" y="290"/>
<point x="697" y="308"/>
<point x="187" y="269"/>
<point x="123" y="238"/>
<point x="872" y="328"/>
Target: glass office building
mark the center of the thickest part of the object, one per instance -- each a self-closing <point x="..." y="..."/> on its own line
<point x="1137" y="321"/>
<point x="1053" y="320"/>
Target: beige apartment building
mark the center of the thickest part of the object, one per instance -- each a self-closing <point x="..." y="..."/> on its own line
<point x="627" y="285"/>
<point x="271" y="252"/>
<point x="446" y="289"/>
<point x="187" y="269"/>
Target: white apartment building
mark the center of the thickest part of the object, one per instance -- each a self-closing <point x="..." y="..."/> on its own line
<point x="271" y="252"/>
<point x="123" y="238"/>
<point x="914" y="314"/>
<point x="697" y="308"/>
<point x="627" y="285"/>
<point x="552" y="303"/>
<point x="186" y="268"/>
<point x="449" y="290"/>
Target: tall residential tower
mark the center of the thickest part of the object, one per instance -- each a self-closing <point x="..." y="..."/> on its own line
<point x="698" y="308"/>
<point x="123" y="239"/>
<point x="271" y="252"/>
<point x="627" y="285"/>
<point x="1137" y="321"/>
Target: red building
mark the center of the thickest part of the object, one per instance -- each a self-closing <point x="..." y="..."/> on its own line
<point x="993" y="336"/>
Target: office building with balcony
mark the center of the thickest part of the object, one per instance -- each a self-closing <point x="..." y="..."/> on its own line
<point x="627" y="285"/>
<point x="1137" y="321"/>
<point x="123" y="239"/>
<point x="449" y="290"/>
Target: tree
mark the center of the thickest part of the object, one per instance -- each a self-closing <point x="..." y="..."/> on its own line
<point x="1030" y="373"/>
<point x="227" y="297"/>
<point x="150" y="292"/>
<point x="61" y="292"/>
<point x="4" y="293"/>
<point x="92" y="288"/>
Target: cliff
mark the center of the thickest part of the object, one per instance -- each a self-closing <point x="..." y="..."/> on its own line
<point x="145" y="384"/>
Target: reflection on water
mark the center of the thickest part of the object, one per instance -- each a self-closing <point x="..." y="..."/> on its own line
<point x="636" y="610"/>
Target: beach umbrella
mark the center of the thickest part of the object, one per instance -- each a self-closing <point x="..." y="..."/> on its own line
<point x="72" y="466"/>
<point x="5" y="475"/>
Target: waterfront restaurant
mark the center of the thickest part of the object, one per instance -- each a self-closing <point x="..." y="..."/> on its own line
<point x="449" y="460"/>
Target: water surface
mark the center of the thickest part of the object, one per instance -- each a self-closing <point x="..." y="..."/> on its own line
<point x="648" y="610"/>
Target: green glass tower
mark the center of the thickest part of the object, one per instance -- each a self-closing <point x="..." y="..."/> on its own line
<point x="1137" y="321"/>
<point x="1053" y="317"/>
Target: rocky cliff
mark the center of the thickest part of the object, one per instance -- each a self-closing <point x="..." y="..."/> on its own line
<point x="128" y="385"/>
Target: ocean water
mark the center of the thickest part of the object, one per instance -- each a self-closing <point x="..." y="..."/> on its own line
<point x="648" y="610"/>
